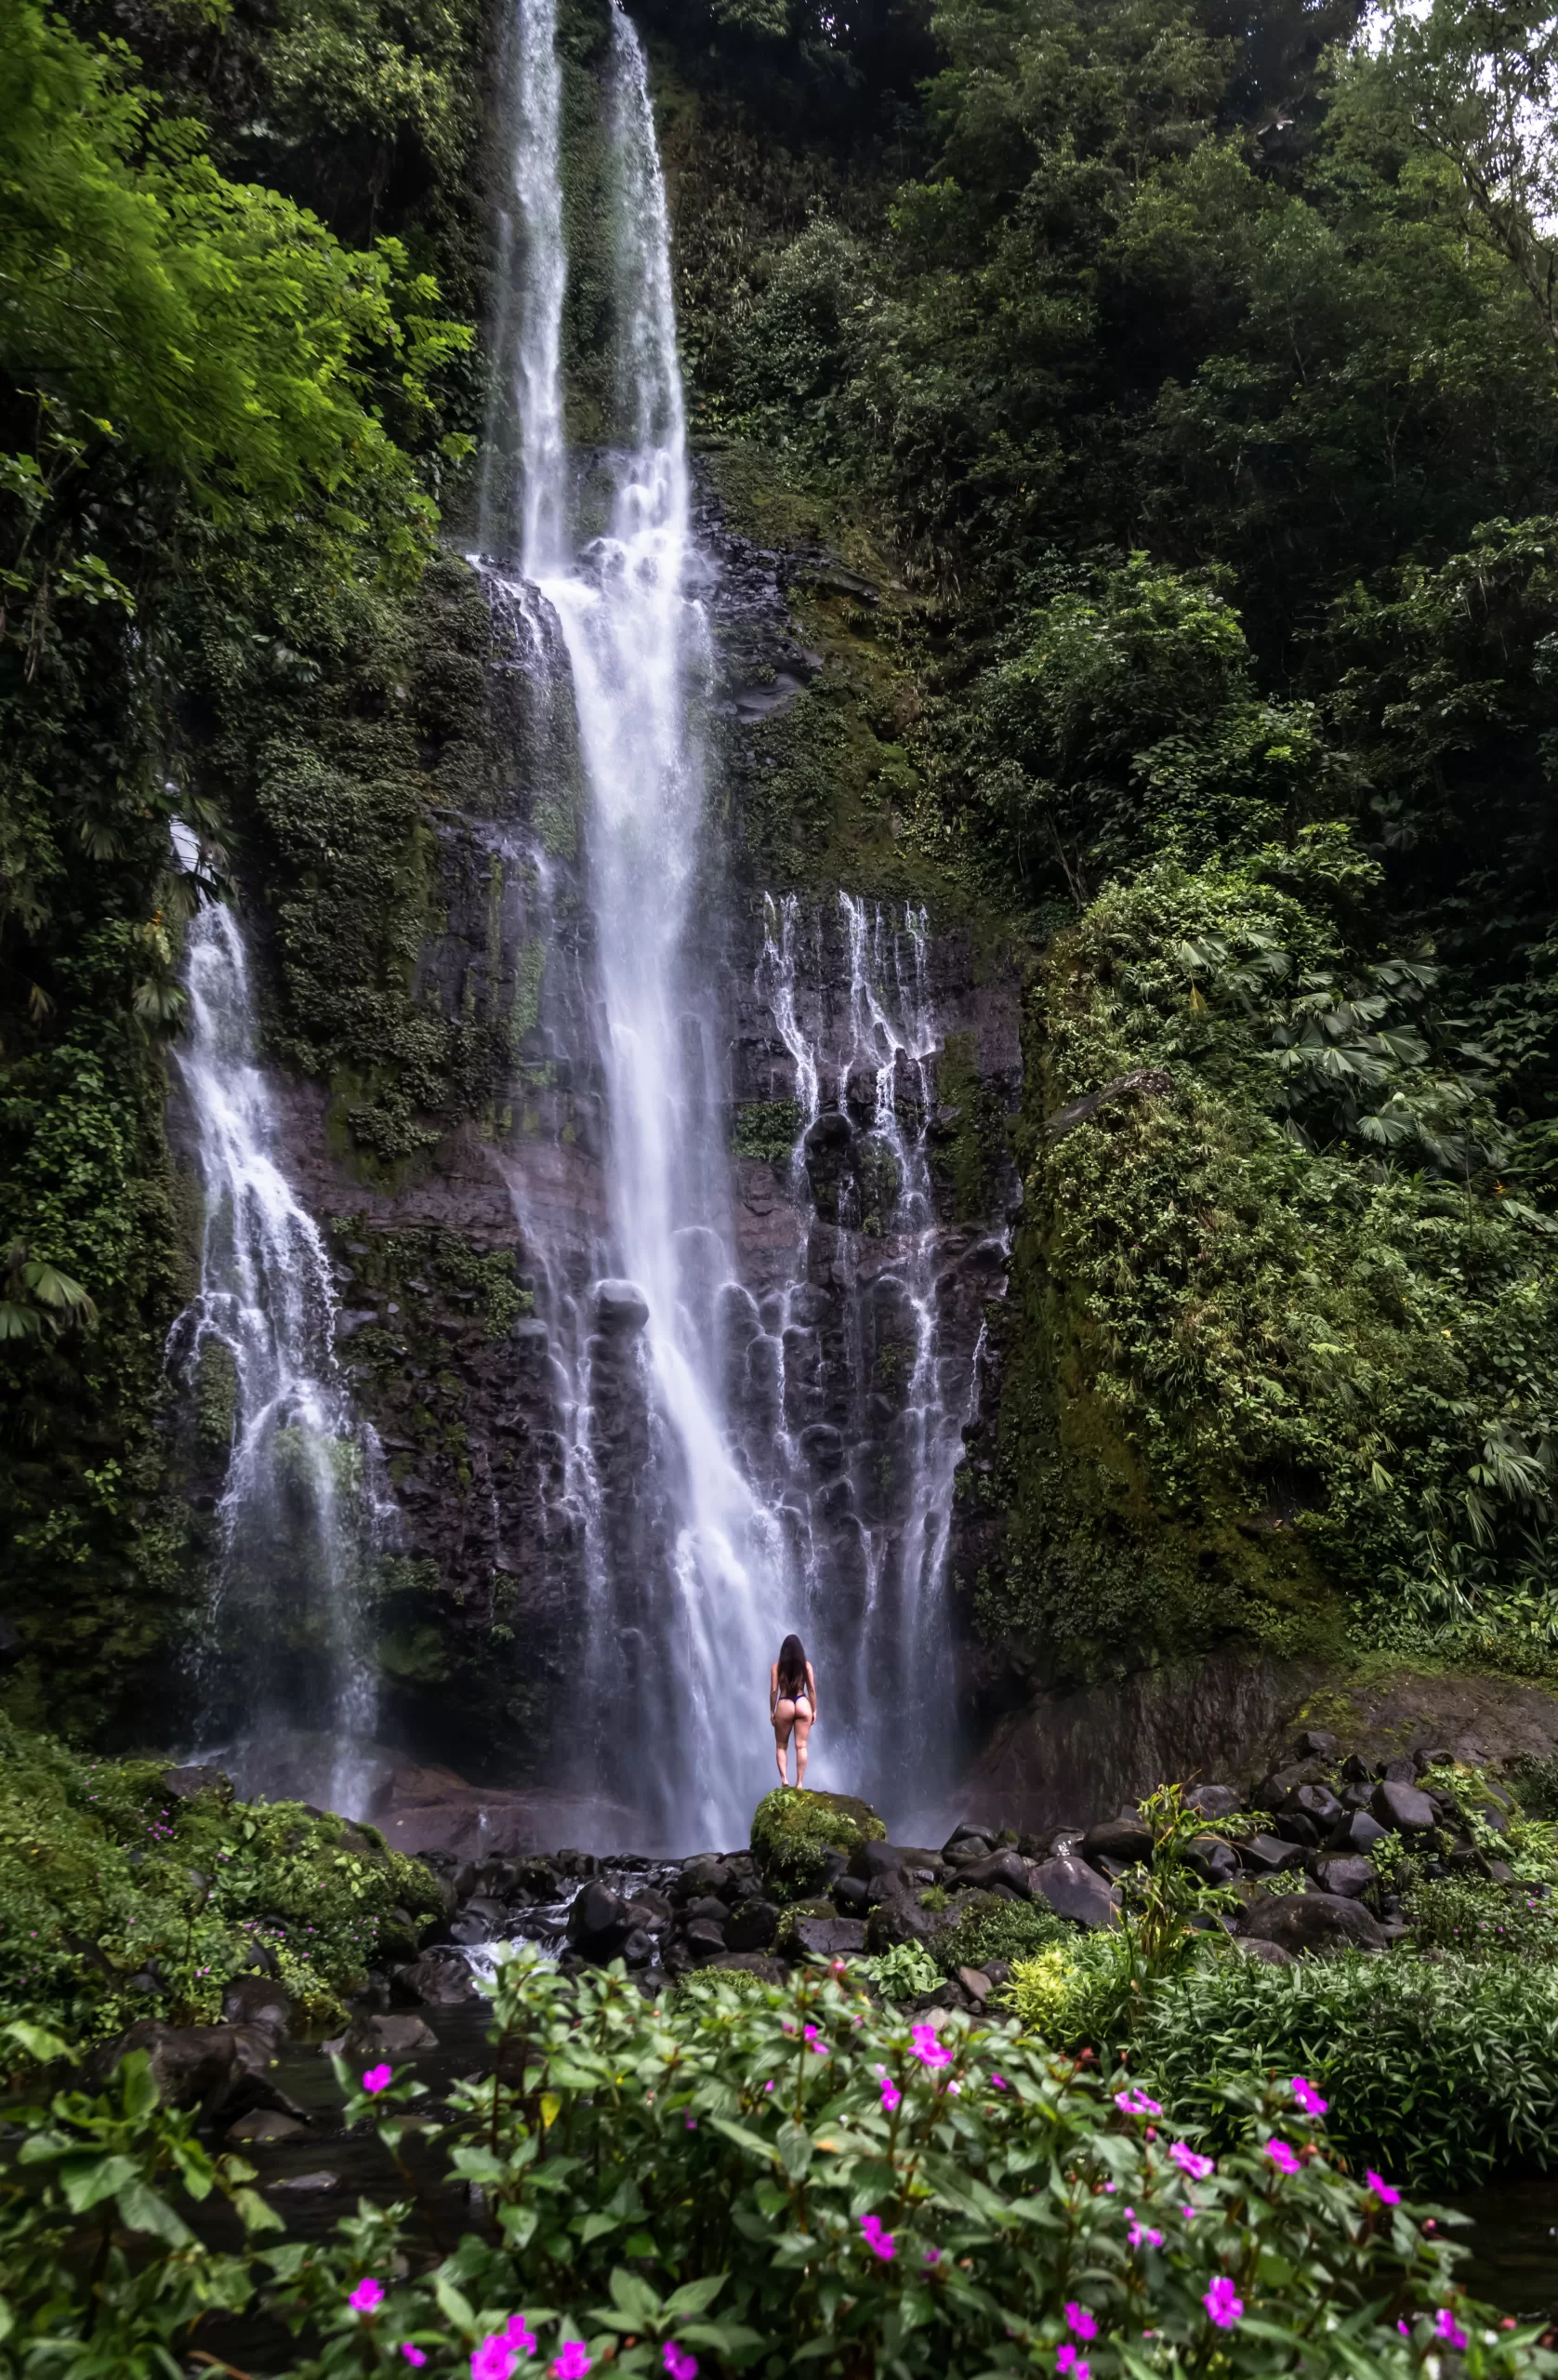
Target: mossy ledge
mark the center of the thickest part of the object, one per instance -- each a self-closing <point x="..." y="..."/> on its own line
<point x="794" y="1831"/>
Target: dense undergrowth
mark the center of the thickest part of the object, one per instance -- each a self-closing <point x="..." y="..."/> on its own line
<point x="723" y="2174"/>
<point x="121" y="1899"/>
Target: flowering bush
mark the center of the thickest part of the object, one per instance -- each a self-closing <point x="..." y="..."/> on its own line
<point x="719" y="2174"/>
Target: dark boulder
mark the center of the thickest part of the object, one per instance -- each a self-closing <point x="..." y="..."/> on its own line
<point x="963" y="1850"/>
<point x="829" y="1937"/>
<point x="1346" y="1872"/>
<point x="257" y="2000"/>
<point x="599" y="1922"/>
<point x="186" y="1784"/>
<point x="1213" y="1801"/>
<point x="1314" y="1802"/>
<point x="767" y="1970"/>
<point x="850" y="1896"/>
<point x="638" y="1951"/>
<point x="651" y="1910"/>
<point x="1293" y="1826"/>
<point x="1426" y="1756"/>
<point x="219" y="2068"/>
<point x="708" y="1905"/>
<point x="1267" y="1855"/>
<point x="1266" y="1954"/>
<point x="266" y="2124"/>
<point x="703" y="1940"/>
<point x="1355" y="1830"/>
<point x="1124" y="1840"/>
<point x="1314" y="1743"/>
<point x="898" y="1917"/>
<point x="1003" y="1870"/>
<point x="1400" y="1771"/>
<point x="702" y="1879"/>
<point x="1316" y="1923"/>
<point x="481" y="1920"/>
<point x="881" y="1859"/>
<point x="387" y="2036"/>
<point x="1215" y="1862"/>
<point x="1281" y="1782"/>
<point x="753" y="1925"/>
<point x="1402" y="1808"/>
<point x="436" y="1983"/>
<point x="1073" y="1890"/>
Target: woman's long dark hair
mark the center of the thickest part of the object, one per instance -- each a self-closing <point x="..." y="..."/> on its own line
<point x="792" y="1666"/>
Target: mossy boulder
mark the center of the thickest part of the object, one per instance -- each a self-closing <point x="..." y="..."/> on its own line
<point x="794" y="1831"/>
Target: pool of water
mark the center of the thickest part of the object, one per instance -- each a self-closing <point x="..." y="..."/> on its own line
<point x="1514" y="2240"/>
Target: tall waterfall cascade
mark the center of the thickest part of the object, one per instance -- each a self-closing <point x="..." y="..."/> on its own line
<point x="281" y="1663"/>
<point x="731" y="1451"/>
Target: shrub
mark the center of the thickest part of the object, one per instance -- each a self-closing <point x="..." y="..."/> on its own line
<point x="1481" y="1921"/>
<point x="724" y="2173"/>
<point x="996" y="1929"/>
<point x="105" y="1876"/>
<point x="793" y="1834"/>
<point x="1440" y="2070"/>
<point x="903" y="1972"/>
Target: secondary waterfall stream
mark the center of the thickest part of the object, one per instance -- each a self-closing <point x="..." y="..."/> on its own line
<point x="712" y="1497"/>
<point x="282" y="1652"/>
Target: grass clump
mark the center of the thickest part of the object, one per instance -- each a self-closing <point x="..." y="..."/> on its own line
<point x="118" y="1900"/>
<point x="793" y="1834"/>
<point x="993" y="1928"/>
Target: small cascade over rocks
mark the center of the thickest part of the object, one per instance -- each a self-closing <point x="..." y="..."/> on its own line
<point x="281" y="1654"/>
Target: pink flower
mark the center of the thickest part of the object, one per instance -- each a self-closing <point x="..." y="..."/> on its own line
<point x="1222" y="2303"/>
<point x="681" y="2365"/>
<point x="1188" y="2162"/>
<point x="368" y="2297"/>
<point x="1079" y="2319"/>
<point x="1069" y="2362"/>
<point x="1308" y="2097"/>
<point x="692" y="2124"/>
<point x="1136" y="2103"/>
<point x="998" y="2080"/>
<point x="881" y="2243"/>
<point x="377" y="2079"/>
<point x="1140" y="2232"/>
<point x="514" y="2334"/>
<point x="927" y="2049"/>
<point x="494" y="2360"/>
<point x="1402" y="2329"/>
<point x="1446" y="2327"/>
<point x="1381" y="2188"/>
<point x="768" y="2086"/>
<point x="932" y="2256"/>
<point x="413" y="2355"/>
<point x="891" y="2095"/>
<point x="1286" y="2159"/>
<point x="570" y="2362"/>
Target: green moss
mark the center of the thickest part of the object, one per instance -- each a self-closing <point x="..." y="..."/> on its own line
<point x="793" y="1832"/>
<point x="215" y="1398"/>
<point x="118" y="1899"/>
<point x="766" y="1129"/>
<point x="993" y="1928"/>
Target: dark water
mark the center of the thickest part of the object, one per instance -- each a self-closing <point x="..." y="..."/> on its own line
<point x="1514" y="2240"/>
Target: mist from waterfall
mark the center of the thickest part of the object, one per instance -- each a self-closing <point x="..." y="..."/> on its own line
<point x="282" y="1646"/>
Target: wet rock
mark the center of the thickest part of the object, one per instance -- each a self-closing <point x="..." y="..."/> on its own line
<point x="1213" y="1801"/>
<point x="849" y="1895"/>
<point x="1266" y="1954"/>
<point x="1315" y="1743"/>
<point x="1292" y="1825"/>
<point x="1400" y="1771"/>
<point x="880" y="1859"/>
<point x="717" y="1912"/>
<point x="1357" y="1770"/>
<point x="703" y="1877"/>
<point x="599" y="1922"/>
<point x="1268" y="1855"/>
<point x="1123" y="1840"/>
<point x="1344" y="1872"/>
<point x="965" y="1849"/>
<point x="1315" y="1922"/>
<point x="436" y="1983"/>
<point x="186" y="1784"/>
<point x="1426" y="1756"/>
<point x="1401" y="1807"/>
<point x="1355" y="1830"/>
<point x="213" y="2068"/>
<point x="1073" y="1890"/>
<point x="257" y="2000"/>
<point x="830" y="1937"/>
<point x="263" y="2124"/>
<point x="1317" y="1803"/>
<point x="756" y="1962"/>
<point x="621" y="1306"/>
<point x="975" y="1982"/>
<point x="394" y="2036"/>
<point x="305" y="2185"/>
<point x="1215" y="1862"/>
<point x="1002" y="1872"/>
<point x="898" y="1917"/>
<point x="703" y="1940"/>
<point x="1273" y="1792"/>
<point x="638" y="1951"/>
<point x="481" y="1920"/>
<point x="753" y="1925"/>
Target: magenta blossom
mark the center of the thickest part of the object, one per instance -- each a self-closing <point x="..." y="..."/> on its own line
<point x="1446" y="2327"/>
<point x="1308" y="2097"/>
<point x="1141" y="2234"/>
<point x="692" y="2124"/>
<point x="891" y="2095"/>
<point x="570" y="2362"/>
<point x="1381" y="2188"/>
<point x="1189" y="2161"/>
<point x="881" y="2243"/>
<point x="1285" y="2158"/>
<point x="368" y="2297"/>
<point x="1079" y="2319"/>
<point x="377" y="2079"/>
<point x="514" y="2334"/>
<point x="927" y="2049"/>
<point x="819" y="2046"/>
<point x="413" y="2355"/>
<point x="1136" y="2103"/>
<point x="932" y="2256"/>
<point x="998" y="2080"/>
<point x="494" y="2360"/>
<point x="678" y="2362"/>
<point x="1222" y="2303"/>
<point x="1069" y="2360"/>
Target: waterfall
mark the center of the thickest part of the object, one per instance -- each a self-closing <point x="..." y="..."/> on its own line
<point x="703" y="1488"/>
<point x="282" y="1646"/>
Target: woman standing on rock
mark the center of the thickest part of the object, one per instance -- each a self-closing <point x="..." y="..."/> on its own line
<point x="792" y="1702"/>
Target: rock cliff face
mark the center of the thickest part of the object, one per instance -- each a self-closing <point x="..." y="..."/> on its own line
<point x="864" y="1050"/>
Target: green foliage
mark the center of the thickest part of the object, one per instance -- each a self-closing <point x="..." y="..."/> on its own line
<point x="993" y="1928"/>
<point x="121" y="1900"/>
<point x="633" y="2219"/>
<point x="794" y="1831"/>
<point x="1440" y="2071"/>
<point x="766" y="1129"/>
<point x="1480" y="1922"/>
<point x="905" y="1972"/>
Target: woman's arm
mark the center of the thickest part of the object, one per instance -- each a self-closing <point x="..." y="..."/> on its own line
<point x="811" y="1682"/>
<point x="773" y="1690"/>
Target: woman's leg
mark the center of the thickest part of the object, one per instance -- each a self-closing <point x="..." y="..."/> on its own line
<point x="784" y="1720"/>
<point x="802" y="1730"/>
